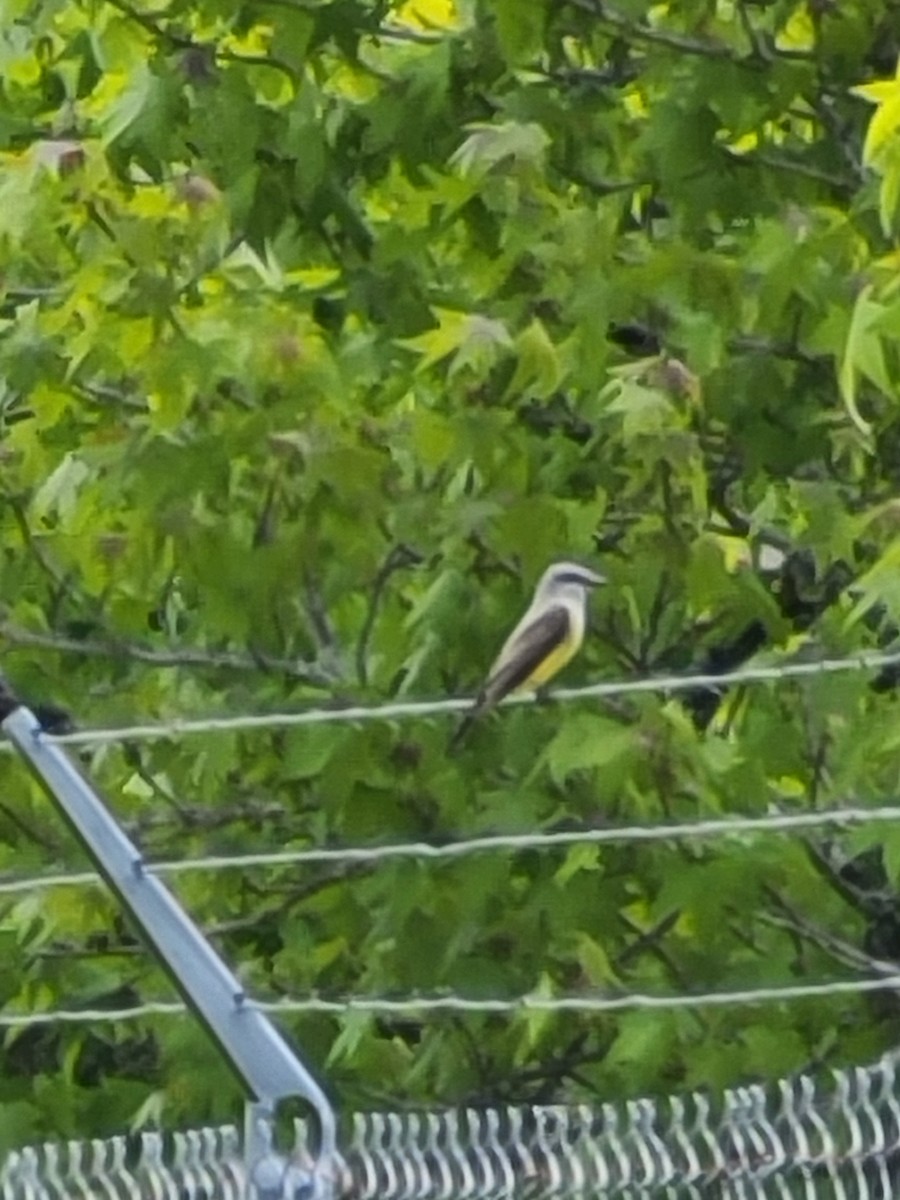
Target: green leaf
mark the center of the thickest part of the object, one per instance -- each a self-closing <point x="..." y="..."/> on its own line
<point x="309" y="750"/>
<point x="437" y="344"/>
<point x="863" y="355"/>
<point x="488" y="146"/>
<point x="584" y="742"/>
<point x="643" y="1038"/>
<point x="520" y="27"/>
<point x="58" y="495"/>
<point x="538" y="370"/>
<point x="594" y="962"/>
<point x="578" y="858"/>
<point x="354" y="1029"/>
<point x="536" y="1021"/>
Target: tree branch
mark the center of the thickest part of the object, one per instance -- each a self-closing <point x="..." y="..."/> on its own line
<point x="152" y="25"/>
<point x="398" y="558"/>
<point x="149" y="22"/>
<point x="760" y="158"/>
<point x="638" y="31"/>
<point x="840" y="950"/>
<point x="30" y="831"/>
<point x="228" y="660"/>
<point x="134" y="759"/>
<point x="61" y="581"/>
<point x="650" y="941"/>
<point x="870" y="902"/>
<point x="399" y="33"/>
<point x="749" y="344"/>
<point x="296" y="895"/>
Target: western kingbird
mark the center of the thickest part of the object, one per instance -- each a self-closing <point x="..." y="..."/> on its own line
<point x="548" y="635"/>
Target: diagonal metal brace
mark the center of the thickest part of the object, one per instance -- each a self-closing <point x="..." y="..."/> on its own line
<point x="263" y="1061"/>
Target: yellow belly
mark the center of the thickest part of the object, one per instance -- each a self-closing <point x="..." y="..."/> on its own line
<point x="554" y="662"/>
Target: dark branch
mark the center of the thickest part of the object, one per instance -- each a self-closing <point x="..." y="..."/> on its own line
<point x="398" y="558"/>
<point x="637" y="31"/>
<point x="310" y="673"/>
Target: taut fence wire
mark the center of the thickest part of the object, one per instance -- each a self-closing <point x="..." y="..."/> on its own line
<point x="402" y="709"/>
<point x="774" y="823"/>
<point x="814" y="1135"/>
<point x="444" y="1004"/>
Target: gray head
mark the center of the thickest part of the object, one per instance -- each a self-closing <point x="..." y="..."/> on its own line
<point x="567" y="580"/>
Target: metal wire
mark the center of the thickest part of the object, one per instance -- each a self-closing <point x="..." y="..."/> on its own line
<point x="775" y="823"/>
<point x="411" y="1006"/>
<point x="354" y="714"/>
<point x="791" y="1141"/>
<point x="834" y="1136"/>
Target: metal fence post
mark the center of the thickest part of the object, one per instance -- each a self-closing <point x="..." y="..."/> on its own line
<point x="257" y="1052"/>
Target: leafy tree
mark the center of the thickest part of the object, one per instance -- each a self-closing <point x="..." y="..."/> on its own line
<point x="325" y="326"/>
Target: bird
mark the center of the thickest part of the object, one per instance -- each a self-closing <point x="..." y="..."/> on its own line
<point x="547" y="637"/>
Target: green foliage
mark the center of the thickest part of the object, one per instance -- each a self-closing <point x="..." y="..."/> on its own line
<point x="323" y="328"/>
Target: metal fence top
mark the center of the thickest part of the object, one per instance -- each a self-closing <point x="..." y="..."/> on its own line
<point x="836" y="1135"/>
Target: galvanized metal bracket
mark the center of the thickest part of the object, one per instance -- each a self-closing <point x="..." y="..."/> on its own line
<point x="261" y="1057"/>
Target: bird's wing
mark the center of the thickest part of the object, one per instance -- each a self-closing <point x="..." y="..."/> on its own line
<point x="523" y="653"/>
<point x="527" y="651"/>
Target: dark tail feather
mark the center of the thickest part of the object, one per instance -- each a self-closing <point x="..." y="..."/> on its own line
<point x="462" y="730"/>
<point x="489" y="695"/>
<point x="481" y="705"/>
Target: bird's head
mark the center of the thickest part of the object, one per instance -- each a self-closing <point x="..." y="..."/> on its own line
<point x="562" y="579"/>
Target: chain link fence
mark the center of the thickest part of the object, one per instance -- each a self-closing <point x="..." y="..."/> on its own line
<point x="834" y="1136"/>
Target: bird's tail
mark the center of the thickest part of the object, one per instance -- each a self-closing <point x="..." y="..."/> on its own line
<point x="483" y="702"/>
<point x="462" y="729"/>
